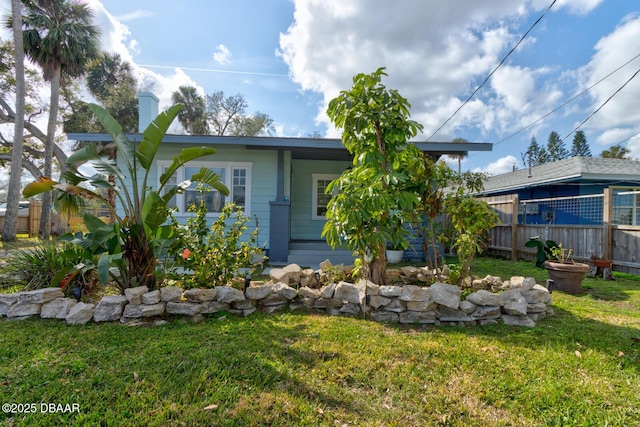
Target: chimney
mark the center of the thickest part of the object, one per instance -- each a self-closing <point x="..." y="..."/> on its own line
<point x="147" y="109"/>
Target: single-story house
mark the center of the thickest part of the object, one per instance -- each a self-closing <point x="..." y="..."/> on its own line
<point x="280" y="182"/>
<point x="572" y="177"/>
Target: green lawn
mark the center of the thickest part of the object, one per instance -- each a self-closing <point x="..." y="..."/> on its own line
<point x="579" y="367"/>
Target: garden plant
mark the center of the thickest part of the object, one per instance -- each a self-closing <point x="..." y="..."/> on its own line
<point x="140" y="232"/>
<point x="214" y="255"/>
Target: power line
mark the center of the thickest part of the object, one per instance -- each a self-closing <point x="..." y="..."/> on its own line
<point x="494" y="70"/>
<point x="572" y="99"/>
<point x="603" y="104"/>
<point x="568" y="101"/>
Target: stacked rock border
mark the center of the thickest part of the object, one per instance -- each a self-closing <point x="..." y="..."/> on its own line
<point x="518" y="301"/>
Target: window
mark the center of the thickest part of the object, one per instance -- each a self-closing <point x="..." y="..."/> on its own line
<point x="236" y="176"/>
<point x="319" y="199"/>
<point x="626" y="207"/>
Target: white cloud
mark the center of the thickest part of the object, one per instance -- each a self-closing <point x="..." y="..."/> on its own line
<point x="614" y="136"/>
<point x="634" y="147"/>
<point x="436" y="53"/>
<point x="222" y="55"/>
<point x="500" y="166"/>
<point x="612" y="51"/>
<point x="136" y="14"/>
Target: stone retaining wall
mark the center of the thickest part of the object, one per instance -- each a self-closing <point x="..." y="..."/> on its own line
<point x="519" y="301"/>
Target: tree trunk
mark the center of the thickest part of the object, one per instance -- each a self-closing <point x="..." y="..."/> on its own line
<point x="377" y="268"/>
<point x="45" y="220"/>
<point x="15" y="173"/>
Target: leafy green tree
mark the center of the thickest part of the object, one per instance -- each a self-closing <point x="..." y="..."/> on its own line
<point x="472" y="219"/>
<point x="253" y="125"/>
<point x="580" y="146"/>
<point x="376" y="195"/>
<point x="535" y="154"/>
<point x="226" y="115"/>
<point x="141" y="233"/>
<point x="441" y="189"/>
<point x="616" y="152"/>
<point x="193" y="117"/>
<point x="13" y="193"/>
<point x="58" y="36"/>
<point x="33" y="137"/>
<point x="111" y="81"/>
<point x="555" y="147"/>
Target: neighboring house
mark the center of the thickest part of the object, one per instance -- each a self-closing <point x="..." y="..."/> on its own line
<point x="280" y="182"/>
<point x="572" y="177"/>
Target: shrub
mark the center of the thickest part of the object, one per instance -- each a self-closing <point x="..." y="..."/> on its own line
<point x="47" y="264"/>
<point x="215" y="255"/>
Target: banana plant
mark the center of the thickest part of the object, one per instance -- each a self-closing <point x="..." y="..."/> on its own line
<point x="139" y="231"/>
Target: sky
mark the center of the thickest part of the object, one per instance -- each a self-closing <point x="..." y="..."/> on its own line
<point x="289" y="58"/>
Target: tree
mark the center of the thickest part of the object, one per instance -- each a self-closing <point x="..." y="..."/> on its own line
<point x="226" y="115"/>
<point x="33" y="137"/>
<point x="193" y="116"/>
<point x="376" y="196"/>
<point x="555" y="147"/>
<point x="13" y="194"/>
<point x="616" y="152"/>
<point x="110" y="80"/>
<point x="535" y="154"/>
<point x="59" y="37"/>
<point x="580" y="146"/>
<point x="136" y="239"/>
<point x="254" y="125"/>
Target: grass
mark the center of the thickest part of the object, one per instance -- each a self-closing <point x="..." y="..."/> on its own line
<point x="580" y="367"/>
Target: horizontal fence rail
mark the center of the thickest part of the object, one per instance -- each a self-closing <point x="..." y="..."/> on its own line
<point x="592" y="226"/>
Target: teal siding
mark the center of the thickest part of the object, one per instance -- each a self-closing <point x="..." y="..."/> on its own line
<point x="303" y="227"/>
<point x="263" y="179"/>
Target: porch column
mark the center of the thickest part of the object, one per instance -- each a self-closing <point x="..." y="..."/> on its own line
<point x="279" y="218"/>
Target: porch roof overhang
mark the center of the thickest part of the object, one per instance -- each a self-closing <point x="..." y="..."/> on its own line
<point x="301" y="148"/>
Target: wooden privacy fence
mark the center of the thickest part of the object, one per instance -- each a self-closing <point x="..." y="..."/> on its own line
<point x="593" y="232"/>
<point x="29" y="221"/>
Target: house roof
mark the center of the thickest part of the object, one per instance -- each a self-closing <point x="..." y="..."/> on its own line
<point x="326" y="148"/>
<point x="571" y="169"/>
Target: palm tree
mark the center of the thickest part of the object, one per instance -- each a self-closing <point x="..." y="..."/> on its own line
<point x="112" y="82"/>
<point x="616" y="152"/>
<point x="58" y="36"/>
<point x="13" y="195"/>
<point x="193" y="114"/>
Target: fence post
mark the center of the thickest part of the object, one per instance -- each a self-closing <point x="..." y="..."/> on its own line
<point x="514" y="227"/>
<point x="35" y="213"/>
<point x="607" y="207"/>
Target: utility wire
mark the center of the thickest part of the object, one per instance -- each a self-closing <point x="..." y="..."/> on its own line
<point x="572" y="99"/>
<point x="568" y="101"/>
<point x="602" y="105"/>
<point x="494" y="70"/>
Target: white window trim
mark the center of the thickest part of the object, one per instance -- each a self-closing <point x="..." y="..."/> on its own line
<point x="228" y="181"/>
<point x="314" y="192"/>
<point x="634" y="203"/>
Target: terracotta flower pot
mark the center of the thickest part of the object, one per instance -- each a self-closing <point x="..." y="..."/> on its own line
<point x="566" y="277"/>
<point x="602" y="263"/>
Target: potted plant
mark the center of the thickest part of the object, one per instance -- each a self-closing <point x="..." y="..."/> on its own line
<point x="566" y="274"/>
<point x="543" y="249"/>
<point x="394" y="253"/>
<point x="599" y="262"/>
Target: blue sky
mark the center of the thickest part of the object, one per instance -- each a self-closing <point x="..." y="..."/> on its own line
<point x="290" y="57"/>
